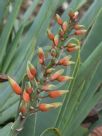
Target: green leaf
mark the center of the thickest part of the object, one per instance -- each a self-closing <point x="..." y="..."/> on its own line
<point x="84" y="74"/>
<point x="7" y="29"/>
<point x="89" y="17"/>
<point x="51" y="132"/>
<point x="5" y="131"/>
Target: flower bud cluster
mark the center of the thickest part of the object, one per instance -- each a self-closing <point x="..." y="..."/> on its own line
<point x="33" y="89"/>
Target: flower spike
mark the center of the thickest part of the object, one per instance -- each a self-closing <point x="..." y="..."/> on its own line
<point x="16" y="88"/>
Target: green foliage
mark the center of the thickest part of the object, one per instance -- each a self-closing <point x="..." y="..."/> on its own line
<point x="18" y="41"/>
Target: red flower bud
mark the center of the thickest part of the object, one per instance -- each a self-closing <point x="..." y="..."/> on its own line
<point x="56" y="40"/>
<point x="23" y="109"/>
<point x="41" y="55"/>
<point x="59" y="19"/>
<point x="64" y="26"/>
<point x="29" y="90"/>
<point x="50" y="35"/>
<point x="80" y="32"/>
<point x="64" y="78"/>
<point x="16" y="88"/>
<point x="32" y="68"/>
<point x="56" y="93"/>
<point x="61" y="32"/>
<point x="77" y="27"/>
<point x="29" y="74"/>
<point x="56" y="74"/>
<point x="65" y="61"/>
<point x="26" y="96"/>
<point x="46" y="107"/>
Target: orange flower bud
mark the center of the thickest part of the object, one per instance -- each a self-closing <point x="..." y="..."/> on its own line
<point x="65" y="61"/>
<point x="74" y="15"/>
<point x="26" y="96"/>
<point x="41" y="55"/>
<point x="77" y="26"/>
<point x="72" y="49"/>
<point x="64" y="78"/>
<point x="16" y="88"/>
<point x="59" y="19"/>
<point x="56" y="93"/>
<point x="47" y="87"/>
<point x="29" y="90"/>
<point x="64" y="26"/>
<point x="56" y="74"/>
<point x="56" y="40"/>
<point x="80" y="32"/>
<point x="32" y="68"/>
<point x="46" y="107"/>
<point x="29" y="74"/>
<point x="50" y="35"/>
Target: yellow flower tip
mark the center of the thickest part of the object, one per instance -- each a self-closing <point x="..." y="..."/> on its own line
<point x="59" y="19"/>
<point x="16" y="88"/>
<point x="41" y="55"/>
<point x="56" y="104"/>
<point x="56" y="74"/>
<point x="50" y="34"/>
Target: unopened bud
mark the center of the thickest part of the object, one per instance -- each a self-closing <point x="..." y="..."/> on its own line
<point x="64" y="78"/>
<point x="29" y="74"/>
<point x="77" y="26"/>
<point x="16" y="88"/>
<point x="44" y="107"/>
<point x="41" y="55"/>
<point x="72" y="49"/>
<point x="31" y="68"/>
<point x="56" y="93"/>
<point x="64" y="26"/>
<point x="47" y="87"/>
<point x="50" y="35"/>
<point x="56" y="74"/>
<point x="61" y="32"/>
<point x="56" y="40"/>
<point x="80" y="32"/>
<point x="65" y="61"/>
<point x="23" y="109"/>
<point x="29" y="90"/>
<point x="26" y="96"/>
<point x="59" y="19"/>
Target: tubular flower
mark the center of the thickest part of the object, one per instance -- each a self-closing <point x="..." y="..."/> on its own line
<point x="57" y="93"/>
<point x="56" y="40"/>
<point x="65" y="61"/>
<point x="56" y="74"/>
<point x="16" y="88"/>
<point x="59" y="19"/>
<point x="46" y="107"/>
<point x="32" y="69"/>
<point x="47" y="87"/>
<point x="26" y="96"/>
<point x="72" y="47"/>
<point x="41" y="55"/>
<point x="50" y="35"/>
<point x="64" y="26"/>
<point x="29" y="74"/>
<point x="64" y="78"/>
<point x="78" y="27"/>
<point x="80" y="32"/>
